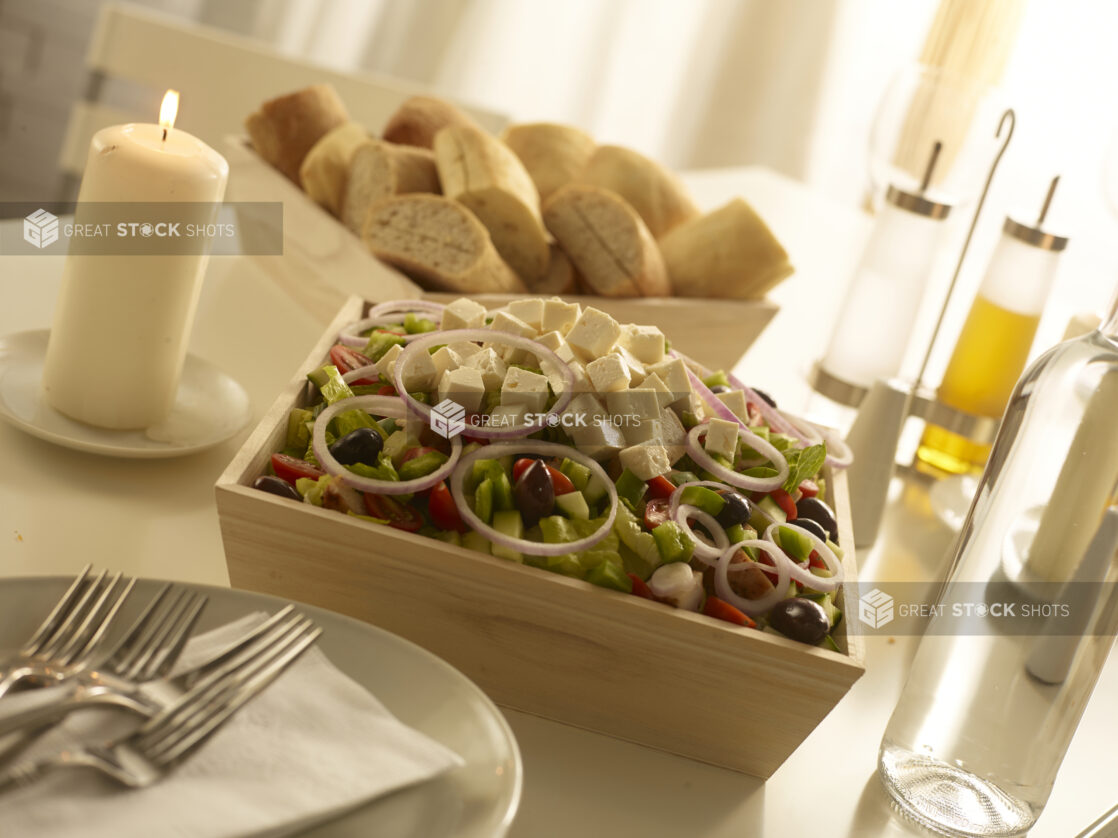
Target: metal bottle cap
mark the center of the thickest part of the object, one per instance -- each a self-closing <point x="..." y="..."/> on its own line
<point x="918" y="202"/>
<point x="1034" y="234"/>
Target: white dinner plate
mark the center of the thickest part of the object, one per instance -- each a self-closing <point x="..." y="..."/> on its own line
<point x="477" y="800"/>
<point x="210" y="407"/>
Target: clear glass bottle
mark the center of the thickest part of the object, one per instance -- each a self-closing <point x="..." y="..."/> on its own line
<point x="986" y="716"/>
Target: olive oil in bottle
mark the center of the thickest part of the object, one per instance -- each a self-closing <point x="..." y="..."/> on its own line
<point x="994" y="344"/>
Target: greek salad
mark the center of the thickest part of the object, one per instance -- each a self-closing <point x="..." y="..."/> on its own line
<point x="551" y="435"/>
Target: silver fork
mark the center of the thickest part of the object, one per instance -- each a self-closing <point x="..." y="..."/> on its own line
<point x="73" y="631"/>
<point x="146" y="696"/>
<point x="141" y="758"/>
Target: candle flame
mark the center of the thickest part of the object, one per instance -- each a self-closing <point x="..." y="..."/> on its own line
<point x="169" y="110"/>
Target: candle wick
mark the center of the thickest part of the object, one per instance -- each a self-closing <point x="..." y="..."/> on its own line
<point x="164" y="135"/>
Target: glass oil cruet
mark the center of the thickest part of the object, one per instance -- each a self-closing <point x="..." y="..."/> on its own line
<point x="987" y="714"/>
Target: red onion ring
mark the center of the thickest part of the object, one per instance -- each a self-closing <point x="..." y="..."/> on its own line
<point x="389" y="406"/>
<point x="674" y="506"/>
<point x="367" y="371"/>
<point x="815" y="434"/>
<point x="803" y="574"/>
<point x="487" y="336"/>
<point x="703" y="552"/>
<point x="547" y="449"/>
<point x="756" y="484"/>
<point x="404" y="306"/>
<point x="715" y="403"/>
<point x="753" y="607"/>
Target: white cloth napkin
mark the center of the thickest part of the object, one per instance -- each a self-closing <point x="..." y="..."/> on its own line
<point x="314" y="744"/>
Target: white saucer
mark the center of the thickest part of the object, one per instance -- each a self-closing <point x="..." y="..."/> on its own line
<point x="210" y="407"/>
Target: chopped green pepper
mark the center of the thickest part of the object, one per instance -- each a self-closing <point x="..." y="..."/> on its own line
<point x="330" y="384"/>
<point x="630" y="488"/>
<point x="606" y="574"/>
<point x="422" y="465"/>
<point x="703" y="498"/>
<point x="717" y="379"/>
<point x="673" y="543"/>
<point x="417" y="325"/>
<point x="379" y="344"/>
<point x="483" y="500"/>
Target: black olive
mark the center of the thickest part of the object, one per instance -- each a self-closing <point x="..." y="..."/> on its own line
<point x="360" y="446"/>
<point x="535" y="496"/>
<point x="800" y="619"/>
<point x="813" y="527"/>
<point x="765" y="397"/>
<point x="736" y="510"/>
<point x="276" y="486"/>
<point x="817" y="511"/>
<point x="720" y="388"/>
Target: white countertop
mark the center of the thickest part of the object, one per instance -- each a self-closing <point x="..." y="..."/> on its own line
<point x="60" y="509"/>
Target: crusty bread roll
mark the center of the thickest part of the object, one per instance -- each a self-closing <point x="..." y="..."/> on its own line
<point x="378" y="170"/>
<point x="483" y="174"/>
<point x="439" y="243"/>
<point x="654" y="192"/>
<point x="284" y="129"/>
<point x="607" y="242"/>
<point x="420" y="118"/>
<point x="727" y="253"/>
<point x="324" y="169"/>
<point x="561" y="278"/>
<point x="553" y="154"/>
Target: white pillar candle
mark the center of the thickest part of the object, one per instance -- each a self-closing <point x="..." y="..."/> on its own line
<point x="122" y="321"/>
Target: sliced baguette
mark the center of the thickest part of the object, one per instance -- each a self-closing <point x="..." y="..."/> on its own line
<point x="483" y="174"/>
<point x="439" y="243"/>
<point x="562" y="278"/>
<point x="553" y="154"/>
<point x="648" y="187"/>
<point x="607" y="241"/>
<point x="378" y="170"/>
<point x="324" y="169"/>
<point x="420" y="118"/>
<point x="284" y="129"/>
<point x="727" y="253"/>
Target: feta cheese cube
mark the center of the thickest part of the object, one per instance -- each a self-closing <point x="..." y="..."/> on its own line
<point x="586" y="406"/>
<point x="445" y="359"/>
<point x="722" y="438"/>
<point x="645" y="342"/>
<point x="421" y="375"/>
<point x="463" y="313"/>
<point x="555" y="342"/>
<point x="387" y="363"/>
<point x="505" y="322"/>
<point x="637" y="371"/>
<point x="465" y="386"/>
<point x="608" y="373"/>
<point x="634" y="406"/>
<point x="490" y="365"/>
<point x="526" y="388"/>
<point x="590" y="429"/>
<point x="559" y="316"/>
<point x="674" y="435"/>
<point x="735" y="400"/>
<point x="593" y="334"/>
<point x="529" y="310"/>
<point x="674" y="375"/>
<point x="663" y="394"/>
<point x="506" y="416"/>
<point x="578" y="372"/>
<point x="464" y="348"/>
<point x="645" y="461"/>
<point x="644" y="430"/>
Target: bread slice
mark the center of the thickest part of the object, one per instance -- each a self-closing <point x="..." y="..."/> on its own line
<point x="438" y="242"/>
<point x="727" y="253"/>
<point x="553" y="154"/>
<point x="561" y="278"/>
<point x="324" y="170"/>
<point x="648" y="187"/>
<point x="420" y="118"/>
<point x="607" y="241"/>
<point x="483" y="174"/>
<point x="378" y="170"/>
<point x="284" y="129"/>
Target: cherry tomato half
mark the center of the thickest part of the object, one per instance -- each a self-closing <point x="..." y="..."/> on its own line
<point x="640" y="588"/>
<point x="784" y="500"/>
<point x="655" y="513"/>
<point x="560" y="483"/>
<point x="348" y="359"/>
<point x="292" y="468"/>
<point x="660" y="487"/>
<point x="398" y="515"/>
<point x="722" y="610"/>
<point x="444" y="512"/>
<point x="809" y="489"/>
